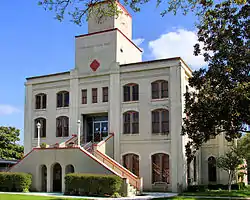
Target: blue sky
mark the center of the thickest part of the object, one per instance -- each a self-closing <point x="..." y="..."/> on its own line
<point x="33" y="43"/>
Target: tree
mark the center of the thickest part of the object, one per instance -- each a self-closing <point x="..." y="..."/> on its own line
<point x="231" y="162"/>
<point x="220" y="100"/>
<point x="244" y="145"/>
<point x="79" y="10"/>
<point x="9" y="149"/>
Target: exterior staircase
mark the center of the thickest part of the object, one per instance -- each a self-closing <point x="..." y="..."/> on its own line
<point x="135" y="182"/>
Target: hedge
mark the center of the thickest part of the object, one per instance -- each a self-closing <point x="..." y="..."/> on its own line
<point x="203" y="188"/>
<point x="15" y="182"/>
<point x="92" y="184"/>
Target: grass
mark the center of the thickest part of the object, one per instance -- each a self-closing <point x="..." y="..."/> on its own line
<point x="31" y="197"/>
<point x="221" y="193"/>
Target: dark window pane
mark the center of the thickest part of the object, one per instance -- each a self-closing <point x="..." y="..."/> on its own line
<point x="155" y="121"/>
<point x="94" y="95"/>
<point x="84" y="96"/>
<point x="126" y="93"/>
<point x="44" y="100"/>
<point x="59" y="99"/>
<point x="105" y="94"/>
<point x="164" y="89"/>
<point x="66" y="99"/>
<point x="165" y="121"/>
<point x="212" y="169"/>
<point x="126" y="126"/>
<point x="38" y="101"/>
<point x="155" y="90"/>
<point x="135" y="91"/>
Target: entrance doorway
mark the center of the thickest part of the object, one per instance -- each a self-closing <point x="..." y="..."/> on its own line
<point x="57" y="178"/>
<point x="100" y="130"/>
<point x="44" y="178"/>
<point x="96" y="128"/>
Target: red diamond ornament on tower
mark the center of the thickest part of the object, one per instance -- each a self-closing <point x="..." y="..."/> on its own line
<point x="94" y="65"/>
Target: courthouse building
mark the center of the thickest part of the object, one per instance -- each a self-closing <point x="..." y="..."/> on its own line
<point x="127" y="111"/>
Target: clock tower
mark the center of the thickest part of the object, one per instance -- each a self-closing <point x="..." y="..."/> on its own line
<point x="108" y="41"/>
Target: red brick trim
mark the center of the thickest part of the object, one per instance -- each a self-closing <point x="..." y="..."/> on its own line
<point x="103" y="141"/>
<point x="21" y="159"/>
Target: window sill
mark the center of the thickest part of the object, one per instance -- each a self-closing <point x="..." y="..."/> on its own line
<point x="40" y="138"/>
<point x="159" y="134"/>
<point x="62" y="137"/>
<point x="130" y="102"/>
<point x="42" y="109"/>
<point x="131" y="134"/>
<point x="61" y="108"/>
<point x="162" y="99"/>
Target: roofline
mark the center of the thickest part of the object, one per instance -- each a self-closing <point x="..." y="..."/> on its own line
<point x="43" y="76"/>
<point x="158" y="60"/>
<point x="108" y="30"/>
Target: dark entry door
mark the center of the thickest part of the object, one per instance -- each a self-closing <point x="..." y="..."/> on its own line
<point x="57" y="178"/>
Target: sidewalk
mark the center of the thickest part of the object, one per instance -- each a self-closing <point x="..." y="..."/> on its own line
<point x="147" y="195"/>
<point x="214" y="197"/>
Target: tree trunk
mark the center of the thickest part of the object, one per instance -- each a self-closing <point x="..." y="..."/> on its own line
<point x="230" y="182"/>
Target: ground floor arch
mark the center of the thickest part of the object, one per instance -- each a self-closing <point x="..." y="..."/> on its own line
<point x="57" y="177"/>
<point x="43" y="175"/>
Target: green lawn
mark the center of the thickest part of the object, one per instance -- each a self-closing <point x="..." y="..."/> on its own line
<point x="221" y="193"/>
<point x="30" y="197"/>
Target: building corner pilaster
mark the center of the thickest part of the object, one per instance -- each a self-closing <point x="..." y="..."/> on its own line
<point x="114" y="107"/>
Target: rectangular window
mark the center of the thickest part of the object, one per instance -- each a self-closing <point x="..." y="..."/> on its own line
<point x="135" y="123"/>
<point x="126" y="91"/>
<point x="59" y="99"/>
<point x="155" y="122"/>
<point x="135" y="93"/>
<point x="66" y="99"/>
<point x="44" y="101"/>
<point x="165" y="121"/>
<point x="38" y="102"/>
<point x="155" y="90"/>
<point x="164" y="89"/>
<point x="105" y="94"/>
<point x="84" y="96"/>
<point x="94" y="95"/>
<point x="126" y="128"/>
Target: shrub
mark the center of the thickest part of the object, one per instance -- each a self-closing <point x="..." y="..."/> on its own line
<point x="91" y="184"/>
<point x="43" y="145"/>
<point x="197" y="188"/>
<point x="15" y="182"/>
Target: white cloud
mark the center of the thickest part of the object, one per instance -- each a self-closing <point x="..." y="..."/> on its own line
<point x="8" y="109"/>
<point x="179" y="43"/>
<point x="138" y="41"/>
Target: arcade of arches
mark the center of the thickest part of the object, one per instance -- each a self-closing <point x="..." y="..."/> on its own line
<point x="56" y="178"/>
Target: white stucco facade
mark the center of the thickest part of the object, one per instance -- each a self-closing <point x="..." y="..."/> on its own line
<point x="120" y="63"/>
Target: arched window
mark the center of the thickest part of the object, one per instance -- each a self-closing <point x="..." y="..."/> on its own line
<point x="131" y="92"/>
<point x="160" y="168"/>
<point x="42" y="121"/>
<point x="131" y="162"/>
<point x="62" y="126"/>
<point x="62" y="99"/>
<point x="131" y="122"/>
<point x="160" y="121"/>
<point x="69" y="169"/>
<point x="159" y="89"/>
<point x="41" y="101"/>
<point x="212" y="177"/>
